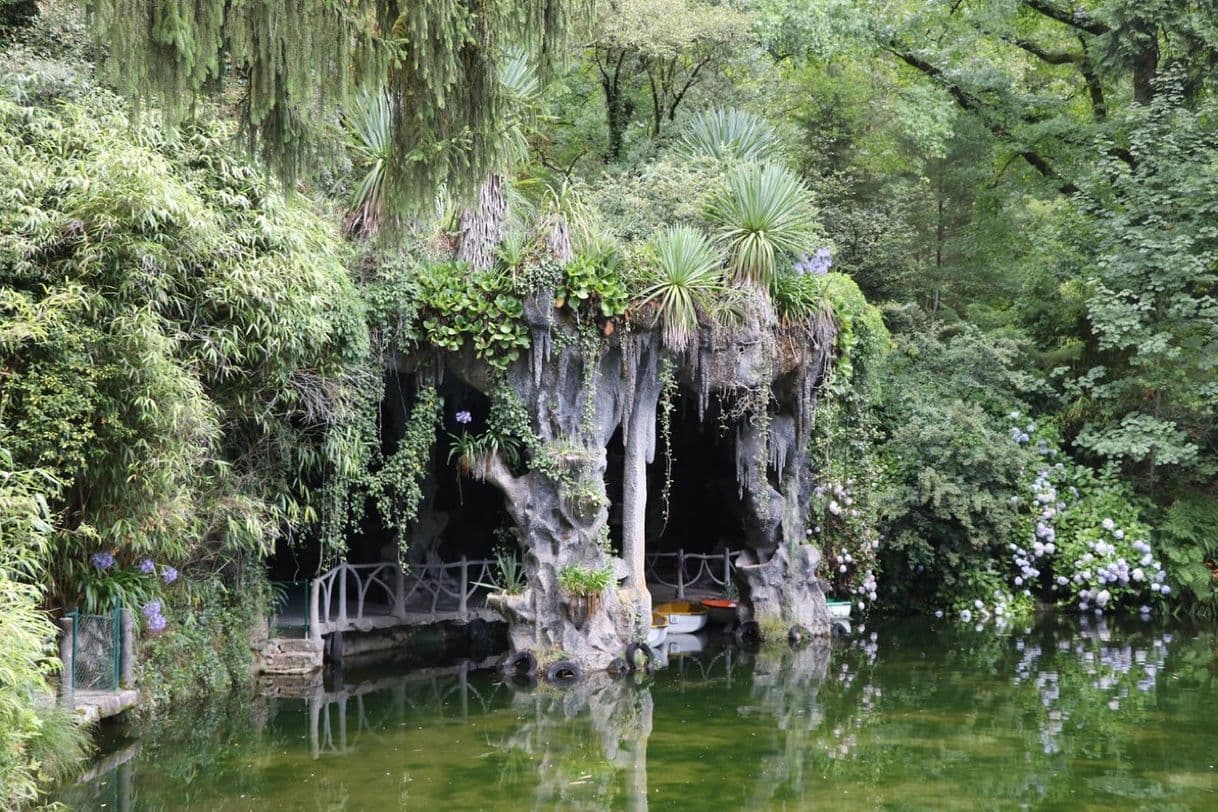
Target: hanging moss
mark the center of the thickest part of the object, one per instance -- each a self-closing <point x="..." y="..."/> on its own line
<point x="294" y="61"/>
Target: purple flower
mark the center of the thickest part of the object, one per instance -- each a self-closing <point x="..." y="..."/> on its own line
<point x="147" y="566"/>
<point x="103" y="560"/>
<point x="817" y="265"/>
<point x="152" y="609"/>
<point x="464" y="417"/>
<point x="169" y="575"/>
<point x="157" y="622"/>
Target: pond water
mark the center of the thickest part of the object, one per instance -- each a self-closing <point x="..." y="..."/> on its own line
<point x="910" y="714"/>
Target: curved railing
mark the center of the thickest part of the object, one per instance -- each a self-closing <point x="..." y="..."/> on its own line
<point x="682" y="570"/>
<point x="350" y="594"/>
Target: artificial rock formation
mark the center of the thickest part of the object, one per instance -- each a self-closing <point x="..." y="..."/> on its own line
<point x="579" y="385"/>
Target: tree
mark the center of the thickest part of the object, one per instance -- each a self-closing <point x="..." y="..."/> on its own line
<point x="291" y="62"/>
<point x="673" y="43"/>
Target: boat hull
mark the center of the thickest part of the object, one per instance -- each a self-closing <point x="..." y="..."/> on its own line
<point x="839" y="610"/>
<point x="684" y="617"/>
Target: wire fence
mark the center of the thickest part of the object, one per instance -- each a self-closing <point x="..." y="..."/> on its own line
<point x="96" y="651"/>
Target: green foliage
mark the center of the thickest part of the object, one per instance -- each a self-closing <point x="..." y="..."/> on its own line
<point x="685" y="282"/>
<point x="37" y="742"/>
<point x="206" y="652"/>
<point x="178" y="345"/>
<point x="456" y="307"/>
<point x="440" y="63"/>
<point x="1189" y="547"/>
<point x="583" y="581"/>
<point x="730" y="135"/>
<point x="368" y="134"/>
<point x="949" y="468"/>
<point x="593" y="286"/>
<point x="762" y="214"/>
<point x="394" y="482"/>
<point x="511" y="580"/>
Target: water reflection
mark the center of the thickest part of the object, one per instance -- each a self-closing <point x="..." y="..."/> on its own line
<point x="908" y="714"/>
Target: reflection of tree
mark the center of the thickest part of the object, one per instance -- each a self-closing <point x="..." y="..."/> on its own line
<point x="586" y="746"/>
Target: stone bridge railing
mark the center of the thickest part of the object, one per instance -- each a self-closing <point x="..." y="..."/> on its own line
<point x="682" y="570"/>
<point x="365" y="596"/>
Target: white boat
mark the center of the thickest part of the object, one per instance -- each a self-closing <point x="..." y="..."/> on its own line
<point x="658" y="632"/>
<point x="684" y="617"/>
<point x="839" y="610"/>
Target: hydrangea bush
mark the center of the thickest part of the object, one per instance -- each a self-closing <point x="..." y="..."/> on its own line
<point x="1086" y="546"/>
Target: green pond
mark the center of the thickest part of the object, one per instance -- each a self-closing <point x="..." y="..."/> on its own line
<point x="909" y="714"/>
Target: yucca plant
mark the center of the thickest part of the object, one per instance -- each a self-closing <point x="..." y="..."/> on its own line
<point x="762" y="212"/>
<point x="730" y="135"/>
<point x="686" y="280"/>
<point x="369" y="130"/>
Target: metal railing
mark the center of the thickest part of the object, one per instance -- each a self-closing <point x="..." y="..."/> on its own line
<point x="352" y="593"/>
<point x="681" y="570"/>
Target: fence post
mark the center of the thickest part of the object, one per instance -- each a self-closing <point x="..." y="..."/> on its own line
<point x="681" y="574"/>
<point x="463" y="601"/>
<point x="116" y="641"/>
<point x="127" y="647"/>
<point x="67" y="652"/>
<point x="342" y="594"/>
<point x="315" y="610"/>
<point x="727" y="568"/>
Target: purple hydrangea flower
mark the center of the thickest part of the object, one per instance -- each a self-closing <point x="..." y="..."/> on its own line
<point x="152" y="609"/>
<point x="157" y="622"/>
<point x="103" y="560"/>
<point x="169" y="575"/>
<point x="147" y="566"/>
<point x="463" y="417"/>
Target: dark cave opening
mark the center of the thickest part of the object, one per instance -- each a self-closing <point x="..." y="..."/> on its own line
<point x="704" y="510"/>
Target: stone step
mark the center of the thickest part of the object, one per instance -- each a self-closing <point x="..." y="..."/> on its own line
<point x="291" y="663"/>
<point x="296" y="644"/>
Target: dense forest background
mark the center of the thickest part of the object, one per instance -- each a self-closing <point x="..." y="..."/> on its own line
<point x="218" y="223"/>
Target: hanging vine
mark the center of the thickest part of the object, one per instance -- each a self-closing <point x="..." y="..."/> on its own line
<point x="668" y="394"/>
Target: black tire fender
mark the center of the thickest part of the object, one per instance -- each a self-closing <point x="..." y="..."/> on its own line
<point x="519" y="664"/>
<point x="640" y="648"/>
<point x="749" y="632"/>
<point x="564" y="672"/>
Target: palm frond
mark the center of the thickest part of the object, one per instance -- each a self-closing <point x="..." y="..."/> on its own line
<point x="687" y="280"/>
<point x="730" y="135"/>
<point x="762" y="212"/>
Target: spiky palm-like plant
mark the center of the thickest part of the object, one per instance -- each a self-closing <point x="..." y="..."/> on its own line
<point x="369" y="130"/>
<point x="762" y="212"/>
<point x="686" y="281"/>
<point x="730" y="135"/>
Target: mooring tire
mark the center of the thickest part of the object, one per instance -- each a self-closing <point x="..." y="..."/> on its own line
<point x="519" y="664"/>
<point x="617" y="667"/>
<point x="798" y="636"/>
<point x="749" y="632"/>
<point x="646" y="650"/>
<point x="564" y="672"/>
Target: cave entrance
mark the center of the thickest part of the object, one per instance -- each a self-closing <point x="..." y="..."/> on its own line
<point x="457" y="516"/>
<point x="703" y="515"/>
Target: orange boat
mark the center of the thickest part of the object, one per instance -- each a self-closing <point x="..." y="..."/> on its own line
<point x="721" y="610"/>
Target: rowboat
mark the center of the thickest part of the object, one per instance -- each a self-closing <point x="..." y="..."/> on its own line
<point x="659" y="630"/>
<point x="839" y="610"/>
<point x="684" y="617"/>
<point x="720" y="611"/>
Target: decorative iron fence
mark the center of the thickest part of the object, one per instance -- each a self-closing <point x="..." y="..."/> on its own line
<point x="682" y="570"/>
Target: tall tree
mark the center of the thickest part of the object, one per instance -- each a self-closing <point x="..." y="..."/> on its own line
<point x="293" y="61"/>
